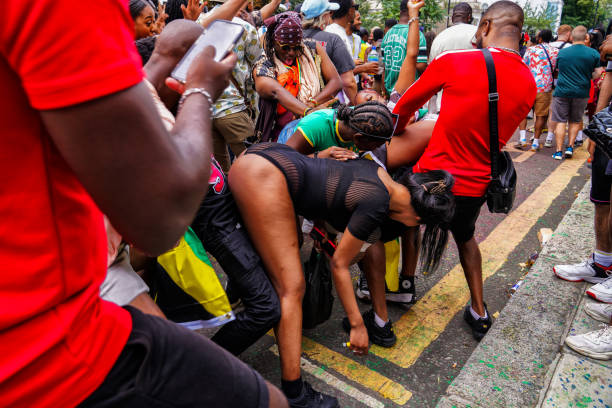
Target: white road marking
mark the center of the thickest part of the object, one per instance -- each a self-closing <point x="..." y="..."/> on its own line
<point x="338" y="384"/>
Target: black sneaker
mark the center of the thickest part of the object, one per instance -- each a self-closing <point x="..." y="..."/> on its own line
<point x="406" y="293"/>
<point x="578" y="143"/>
<point x="479" y="327"/>
<point x="381" y="336"/>
<point x="362" y="292"/>
<point x="309" y="398"/>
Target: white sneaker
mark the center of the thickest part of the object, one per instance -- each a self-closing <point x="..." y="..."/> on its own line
<point x="548" y="143"/>
<point x="586" y="271"/>
<point x="599" y="311"/>
<point x="602" y="291"/>
<point x="596" y="344"/>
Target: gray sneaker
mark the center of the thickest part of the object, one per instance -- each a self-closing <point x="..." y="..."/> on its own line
<point x="596" y="344"/>
<point x="599" y="311"/>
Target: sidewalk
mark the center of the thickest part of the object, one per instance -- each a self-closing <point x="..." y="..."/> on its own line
<point x="523" y="362"/>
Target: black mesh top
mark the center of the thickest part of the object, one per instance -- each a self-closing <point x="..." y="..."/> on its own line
<point x="345" y="194"/>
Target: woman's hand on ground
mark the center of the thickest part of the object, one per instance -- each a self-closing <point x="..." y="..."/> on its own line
<point x="337" y="153"/>
<point x="359" y="342"/>
<point x="414" y="7"/>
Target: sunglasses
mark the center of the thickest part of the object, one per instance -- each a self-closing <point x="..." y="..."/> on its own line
<point x="355" y="6"/>
<point x="287" y="47"/>
<point x="395" y="117"/>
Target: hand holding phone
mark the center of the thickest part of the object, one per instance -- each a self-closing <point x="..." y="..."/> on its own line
<point x="206" y="73"/>
<point x="222" y="35"/>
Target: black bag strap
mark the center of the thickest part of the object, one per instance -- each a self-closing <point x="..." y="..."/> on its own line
<point x="552" y="67"/>
<point x="493" y="124"/>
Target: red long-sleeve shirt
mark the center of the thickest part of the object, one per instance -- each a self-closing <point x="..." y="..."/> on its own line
<point x="460" y="140"/>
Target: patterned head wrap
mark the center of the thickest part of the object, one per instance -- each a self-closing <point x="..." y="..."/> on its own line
<point x="287" y="28"/>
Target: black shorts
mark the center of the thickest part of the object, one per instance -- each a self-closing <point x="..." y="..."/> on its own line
<point x="600" y="182"/>
<point x="463" y="223"/>
<point x="164" y="365"/>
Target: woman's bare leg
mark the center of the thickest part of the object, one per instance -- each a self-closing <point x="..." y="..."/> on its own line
<point x="374" y="267"/>
<point x="261" y="192"/>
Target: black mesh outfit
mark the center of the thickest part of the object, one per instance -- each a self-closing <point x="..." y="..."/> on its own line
<point x="345" y="194"/>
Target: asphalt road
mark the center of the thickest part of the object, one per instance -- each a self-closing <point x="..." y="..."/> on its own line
<point x="433" y="341"/>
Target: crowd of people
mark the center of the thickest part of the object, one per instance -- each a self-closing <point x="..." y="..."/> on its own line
<point x="311" y="121"/>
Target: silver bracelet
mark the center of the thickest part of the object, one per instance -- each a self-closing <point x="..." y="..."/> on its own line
<point x="200" y="91"/>
<point x="412" y="19"/>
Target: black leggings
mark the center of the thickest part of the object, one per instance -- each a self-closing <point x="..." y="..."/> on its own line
<point x="217" y="224"/>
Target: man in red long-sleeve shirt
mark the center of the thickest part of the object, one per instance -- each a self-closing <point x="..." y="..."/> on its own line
<point x="460" y="139"/>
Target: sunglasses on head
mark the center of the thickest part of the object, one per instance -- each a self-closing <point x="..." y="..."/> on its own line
<point x="395" y="117"/>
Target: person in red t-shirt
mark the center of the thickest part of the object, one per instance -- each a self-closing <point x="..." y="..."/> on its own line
<point x="81" y="135"/>
<point x="460" y="139"/>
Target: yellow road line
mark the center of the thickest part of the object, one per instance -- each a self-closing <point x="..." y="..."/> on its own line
<point x="424" y="322"/>
<point x="523" y="156"/>
<point x="354" y="371"/>
<point x="338" y="384"/>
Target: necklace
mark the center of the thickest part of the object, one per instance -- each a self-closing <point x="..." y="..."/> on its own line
<point x="508" y="49"/>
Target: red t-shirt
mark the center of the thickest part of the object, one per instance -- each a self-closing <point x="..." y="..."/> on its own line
<point x="59" y="339"/>
<point x="460" y="140"/>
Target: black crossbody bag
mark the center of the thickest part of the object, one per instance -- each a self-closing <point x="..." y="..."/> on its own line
<point x="502" y="188"/>
<point x="552" y="67"/>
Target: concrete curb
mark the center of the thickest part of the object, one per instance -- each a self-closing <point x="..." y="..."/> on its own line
<point x="513" y="366"/>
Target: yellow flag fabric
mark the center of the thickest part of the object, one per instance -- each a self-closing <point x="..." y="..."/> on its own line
<point x="392" y="256"/>
<point x="190" y="269"/>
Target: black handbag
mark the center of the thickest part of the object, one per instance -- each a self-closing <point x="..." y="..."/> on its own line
<point x="600" y="131"/>
<point x="264" y="126"/>
<point x="502" y="188"/>
<point x="318" y="298"/>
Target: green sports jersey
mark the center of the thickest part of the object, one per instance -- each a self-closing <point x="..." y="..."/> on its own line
<point x="394" y="53"/>
<point x="320" y="129"/>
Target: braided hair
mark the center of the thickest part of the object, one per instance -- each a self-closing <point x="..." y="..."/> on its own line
<point x="434" y="203"/>
<point x="269" y="40"/>
<point x="369" y="118"/>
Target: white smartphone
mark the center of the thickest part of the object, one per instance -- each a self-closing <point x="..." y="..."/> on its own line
<point x="221" y="34"/>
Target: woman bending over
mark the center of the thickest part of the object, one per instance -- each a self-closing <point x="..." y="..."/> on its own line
<point x="272" y="182"/>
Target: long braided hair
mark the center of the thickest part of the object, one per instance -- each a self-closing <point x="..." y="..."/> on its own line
<point x="432" y="199"/>
<point x="370" y="118"/>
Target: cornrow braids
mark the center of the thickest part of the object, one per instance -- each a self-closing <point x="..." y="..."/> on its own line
<point x="370" y="118"/>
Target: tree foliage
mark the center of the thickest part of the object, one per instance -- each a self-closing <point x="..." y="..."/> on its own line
<point x="538" y="18"/>
<point x="431" y="13"/>
<point x="588" y="13"/>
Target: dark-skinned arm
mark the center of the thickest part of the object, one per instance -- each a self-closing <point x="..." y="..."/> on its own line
<point x="330" y="77"/>
<point x="269" y="88"/>
<point x="148" y="182"/>
<point x="368" y="68"/>
<point x="226" y="11"/>
<point x="348" y="248"/>
<point x="605" y="93"/>
<point x="269" y="9"/>
<point x="409" y="66"/>
<point x="298" y="142"/>
<point x="349" y="85"/>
